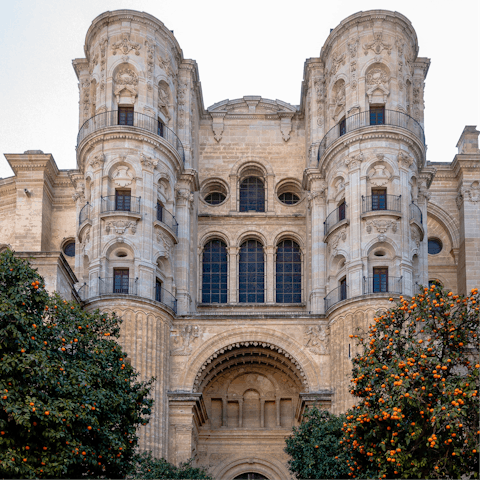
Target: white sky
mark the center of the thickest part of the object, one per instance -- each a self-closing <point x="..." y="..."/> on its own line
<point x="248" y="47"/>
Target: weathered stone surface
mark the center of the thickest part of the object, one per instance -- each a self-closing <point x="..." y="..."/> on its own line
<point x="232" y="378"/>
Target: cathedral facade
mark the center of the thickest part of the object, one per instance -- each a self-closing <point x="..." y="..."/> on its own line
<point x="243" y="243"/>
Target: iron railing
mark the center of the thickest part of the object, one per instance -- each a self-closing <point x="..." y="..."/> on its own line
<point x="336" y="295"/>
<point x="373" y="203"/>
<point x="416" y="213"/>
<point x="382" y="284"/>
<point x="165" y="298"/>
<point x="339" y="214"/>
<point x="138" y="120"/>
<point x="84" y="213"/>
<point x="127" y="286"/>
<point x="363" y="119"/>
<point x="167" y="218"/>
<point x="124" y="203"/>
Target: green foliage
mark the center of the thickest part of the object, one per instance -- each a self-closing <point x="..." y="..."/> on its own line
<point x="417" y="384"/>
<point x="158" y="468"/>
<point x="69" y="403"/>
<point x="314" y="446"/>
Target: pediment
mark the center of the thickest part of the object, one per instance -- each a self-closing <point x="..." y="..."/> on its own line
<point x="251" y="105"/>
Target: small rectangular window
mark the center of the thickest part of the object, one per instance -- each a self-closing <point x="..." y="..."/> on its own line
<point x="125" y="116"/>
<point x="380" y="279"/>
<point x="120" y="280"/>
<point x="341" y="212"/>
<point x="377" y="115"/>
<point x="160" y="128"/>
<point x="343" y="126"/>
<point x="123" y="200"/>
<point x="159" y="212"/>
<point x="379" y="199"/>
<point x="343" y="288"/>
<point x="158" y="290"/>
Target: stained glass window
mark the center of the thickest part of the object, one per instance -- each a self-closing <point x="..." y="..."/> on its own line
<point x="288" y="272"/>
<point x="251" y="273"/>
<point x="214" y="272"/>
<point x="252" y="195"/>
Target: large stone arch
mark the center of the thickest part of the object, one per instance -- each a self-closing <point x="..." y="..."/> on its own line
<point x="449" y="223"/>
<point x="256" y="334"/>
<point x="272" y="468"/>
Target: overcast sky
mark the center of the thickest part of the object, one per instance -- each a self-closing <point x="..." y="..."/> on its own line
<point x="252" y="47"/>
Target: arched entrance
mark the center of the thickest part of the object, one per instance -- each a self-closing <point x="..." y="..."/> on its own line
<point x="251" y="392"/>
<point x="250" y="476"/>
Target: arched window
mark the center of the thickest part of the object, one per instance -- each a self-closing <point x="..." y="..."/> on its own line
<point x="251" y="273"/>
<point x="252" y="195"/>
<point x="214" y="272"/>
<point x="288" y="272"/>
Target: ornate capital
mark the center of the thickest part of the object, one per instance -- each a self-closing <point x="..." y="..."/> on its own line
<point x="148" y="162"/>
<point x="97" y="161"/>
<point x="424" y="194"/>
<point x="354" y="161"/>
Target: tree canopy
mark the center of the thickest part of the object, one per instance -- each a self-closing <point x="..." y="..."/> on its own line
<point x="70" y="403"/>
<point x="417" y="385"/>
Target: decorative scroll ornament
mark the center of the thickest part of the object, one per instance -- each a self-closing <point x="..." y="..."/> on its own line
<point x="405" y="159"/>
<point x="148" y="162"/>
<point x="352" y="47"/>
<point x="415" y="235"/>
<point x="163" y="101"/>
<point x="379" y="176"/>
<point x="121" y="226"/>
<point x="122" y="176"/>
<point x="337" y="61"/>
<point x="126" y="84"/>
<point x="378" y="45"/>
<point x="316" y="338"/>
<point x="125" y="45"/>
<point x="354" y="161"/>
<point x="333" y="244"/>
<point x="319" y="85"/>
<point x="381" y="226"/>
<point x="183" y="341"/>
<point x="166" y="245"/>
<point x="400" y="44"/>
<point x="97" y="161"/>
<point x="150" y="58"/>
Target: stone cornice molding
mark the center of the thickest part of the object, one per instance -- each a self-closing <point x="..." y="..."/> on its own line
<point x="190" y="178"/>
<point x="23" y="162"/>
<point x="310" y="176"/>
<point x="348" y="139"/>
<point x="157" y="142"/>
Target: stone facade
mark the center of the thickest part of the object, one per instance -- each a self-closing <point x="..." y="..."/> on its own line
<point x="160" y="179"/>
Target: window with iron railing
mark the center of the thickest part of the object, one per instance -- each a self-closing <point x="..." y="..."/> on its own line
<point x="377" y="115"/>
<point x="123" y="200"/>
<point x="120" y="280"/>
<point x="343" y="126"/>
<point x="125" y="116"/>
<point x="379" y="199"/>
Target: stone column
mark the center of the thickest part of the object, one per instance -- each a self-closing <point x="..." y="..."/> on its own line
<point x="354" y="211"/>
<point x="240" y="412"/>
<point x="277" y="405"/>
<point x="224" y="412"/>
<point x="423" y="198"/>
<point x="232" y="274"/>
<point x="184" y="200"/>
<point x="262" y="413"/>
<point x="316" y="205"/>
<point x="270" y="274"/>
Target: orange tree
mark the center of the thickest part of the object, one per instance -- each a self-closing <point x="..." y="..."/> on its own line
<point x="69" y="402"/>
<point x="417" y="382"/>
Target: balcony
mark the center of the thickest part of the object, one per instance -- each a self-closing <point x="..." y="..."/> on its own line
<point x="382" y="284"/>
<point x="336" y="295"/>
<point x="382" y="203"/>
<point x="166" y="218"/>
<point x="416" y="214"/>
<point x="365" y="119"/>
<point x="127" y="286"/>
<point x="120" y="203"/>
<point x="339" y="215"/>
<point x="85" y="213"/>
<point x="134" y="120"/>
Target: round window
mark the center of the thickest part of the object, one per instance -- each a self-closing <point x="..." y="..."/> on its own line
<point x="434" y="246"/>
<point x="215" y="198"/>
<point x="69" y="249"/>
<point x="288" y="198"/>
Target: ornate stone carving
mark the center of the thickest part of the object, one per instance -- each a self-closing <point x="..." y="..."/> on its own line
<point x="85" y="93"/>
<point x="183" y="195"/>
<point x="148" y="162"/>
<point x="183" y="341"/>
<point x="319" y="84"/>
<point x="353" y="47"/>
<point x="93" y="63"/>
<point x="316" y="194"/>
<point x="353" y="74"/>
<point x="166" y="245"/>
<point x="423" y="193"/>
<point x="333" y="244"/>
<point x="400" y="44"/>
<point x="354" y="161"/>
<point x="126" y="79"/>
<point x="217" y="124"/>
<point x="415" y="235"/>
<point x="122" y="176"/>
<point x="121" y="226"/>
<point x="472" y="192"/>
<point x="377" y="80"/>
<point x="337" y="61"/>
<point x="166" y="65"/>
<point x="338" y="98"/>
<point x="404" y="159"/>
<point x="316" y="338"/>
<point x="418" y="102"/>
<point x="379" y="176"/>
<point x="285" y="125"/>
<point x="381" y="226"/>
<point x="150" y="46"/>
<point x="125" y="45"/>
<point x="164" y="101"/>
<point x="97" y="161"/>
<point x="378" y="45"/>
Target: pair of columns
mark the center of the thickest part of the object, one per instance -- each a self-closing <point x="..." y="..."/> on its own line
<point x="240" y="412"/>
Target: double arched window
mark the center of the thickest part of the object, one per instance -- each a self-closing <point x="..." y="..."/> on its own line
<point x="252" y="195"/>
<point x="288" y="278"/>
<point x="251" y="276"/>
<point x="214" y="272"/>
